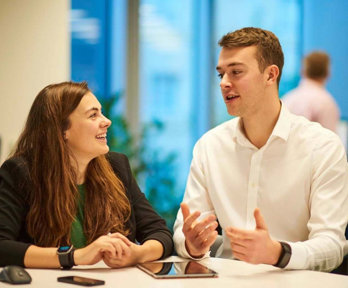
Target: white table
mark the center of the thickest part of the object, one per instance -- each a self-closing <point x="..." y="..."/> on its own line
<point x="232" y="274"/>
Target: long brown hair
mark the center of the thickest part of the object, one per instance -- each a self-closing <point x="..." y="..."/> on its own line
<point x="53" y="191"/>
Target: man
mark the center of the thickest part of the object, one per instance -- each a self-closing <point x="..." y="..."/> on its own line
<point x="276" y="182"/>
<point x="310" y="99"/>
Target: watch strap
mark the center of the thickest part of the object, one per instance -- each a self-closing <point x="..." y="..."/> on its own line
<point x="285" y="255"/>
<point x="66" y="258"/>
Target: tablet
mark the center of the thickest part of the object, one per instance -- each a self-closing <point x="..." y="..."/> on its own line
<point x="170" y="270"/>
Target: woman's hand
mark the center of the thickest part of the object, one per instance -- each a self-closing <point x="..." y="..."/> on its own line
<point x="130" y="257"/>
<point x="115" y="245"/>
<point x="150" y="250"/>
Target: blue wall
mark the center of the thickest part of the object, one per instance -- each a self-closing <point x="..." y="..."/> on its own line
<point x="325" y="27"/>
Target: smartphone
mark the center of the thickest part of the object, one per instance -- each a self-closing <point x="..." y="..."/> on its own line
<point x="78" y="280"/>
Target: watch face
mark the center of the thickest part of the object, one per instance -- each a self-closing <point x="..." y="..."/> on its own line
<point x="63" y="249"/>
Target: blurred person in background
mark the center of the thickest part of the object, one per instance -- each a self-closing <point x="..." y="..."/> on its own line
<point x="311" y="99"/>
<point x="66" y="200"/>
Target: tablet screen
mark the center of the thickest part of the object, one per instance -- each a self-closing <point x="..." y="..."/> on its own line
<point x="187" y="269"/>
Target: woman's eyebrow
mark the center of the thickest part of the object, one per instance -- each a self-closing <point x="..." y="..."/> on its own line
<point x="92" y="109"/>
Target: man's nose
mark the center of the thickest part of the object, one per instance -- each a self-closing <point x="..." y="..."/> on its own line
<point x="225" y="82"/>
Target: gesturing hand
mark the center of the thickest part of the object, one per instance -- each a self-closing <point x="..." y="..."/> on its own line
<point x="254" y="246"/>
<point x="199" y="236"/>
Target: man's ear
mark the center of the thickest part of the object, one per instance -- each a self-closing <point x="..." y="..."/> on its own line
<point x="272" y="74"/>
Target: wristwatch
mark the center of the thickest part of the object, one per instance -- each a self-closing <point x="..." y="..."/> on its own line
<point x="66" y="256"/>
<point x="285" y="255"/>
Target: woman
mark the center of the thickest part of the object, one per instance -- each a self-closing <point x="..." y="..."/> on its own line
<point x="64" y="200"/>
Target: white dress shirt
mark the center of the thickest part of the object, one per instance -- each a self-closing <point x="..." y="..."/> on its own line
<point x="298" y="179"/>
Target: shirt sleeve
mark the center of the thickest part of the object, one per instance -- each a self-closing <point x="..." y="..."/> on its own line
<point x="196" y="197"/>
<point x="12" y="216"/>
<point x="145" y="222"/>
<point x="324" y="249"/>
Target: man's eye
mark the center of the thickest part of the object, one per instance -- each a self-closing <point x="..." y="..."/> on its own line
<point x="220" y="75"/>
<point x="93" y="115"/>
<point x="236" y="72"/>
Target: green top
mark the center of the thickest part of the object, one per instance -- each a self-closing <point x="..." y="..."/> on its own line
<point x="78" y="238"/>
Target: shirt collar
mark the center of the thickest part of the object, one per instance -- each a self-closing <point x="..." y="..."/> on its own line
<point x="281" y="129"/>
<point x="239" y="136"/>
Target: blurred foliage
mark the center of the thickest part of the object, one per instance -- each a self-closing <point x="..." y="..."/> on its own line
<point x="153" y="169"/>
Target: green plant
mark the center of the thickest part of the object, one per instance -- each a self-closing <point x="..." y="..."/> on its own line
<point x="153" y="169"/>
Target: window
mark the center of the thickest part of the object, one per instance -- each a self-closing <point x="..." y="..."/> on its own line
<point x="178" y="88"/>
<point x="98" y="45"/>
<point x="282" y="17"/>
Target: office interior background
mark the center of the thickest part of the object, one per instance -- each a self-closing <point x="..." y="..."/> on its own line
<point x="152" y="65"/>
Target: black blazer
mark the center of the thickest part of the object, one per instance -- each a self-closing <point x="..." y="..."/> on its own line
<point x="144" y="222"/>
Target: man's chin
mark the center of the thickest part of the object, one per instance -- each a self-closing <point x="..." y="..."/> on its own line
<point x="233" y="113"/>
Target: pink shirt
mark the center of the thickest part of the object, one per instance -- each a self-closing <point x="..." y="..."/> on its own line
<point x="314" y="102"/>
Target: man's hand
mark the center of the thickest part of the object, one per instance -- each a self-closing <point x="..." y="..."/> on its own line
<point x="199" y="236"/>
<point x="255" y="246"/>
